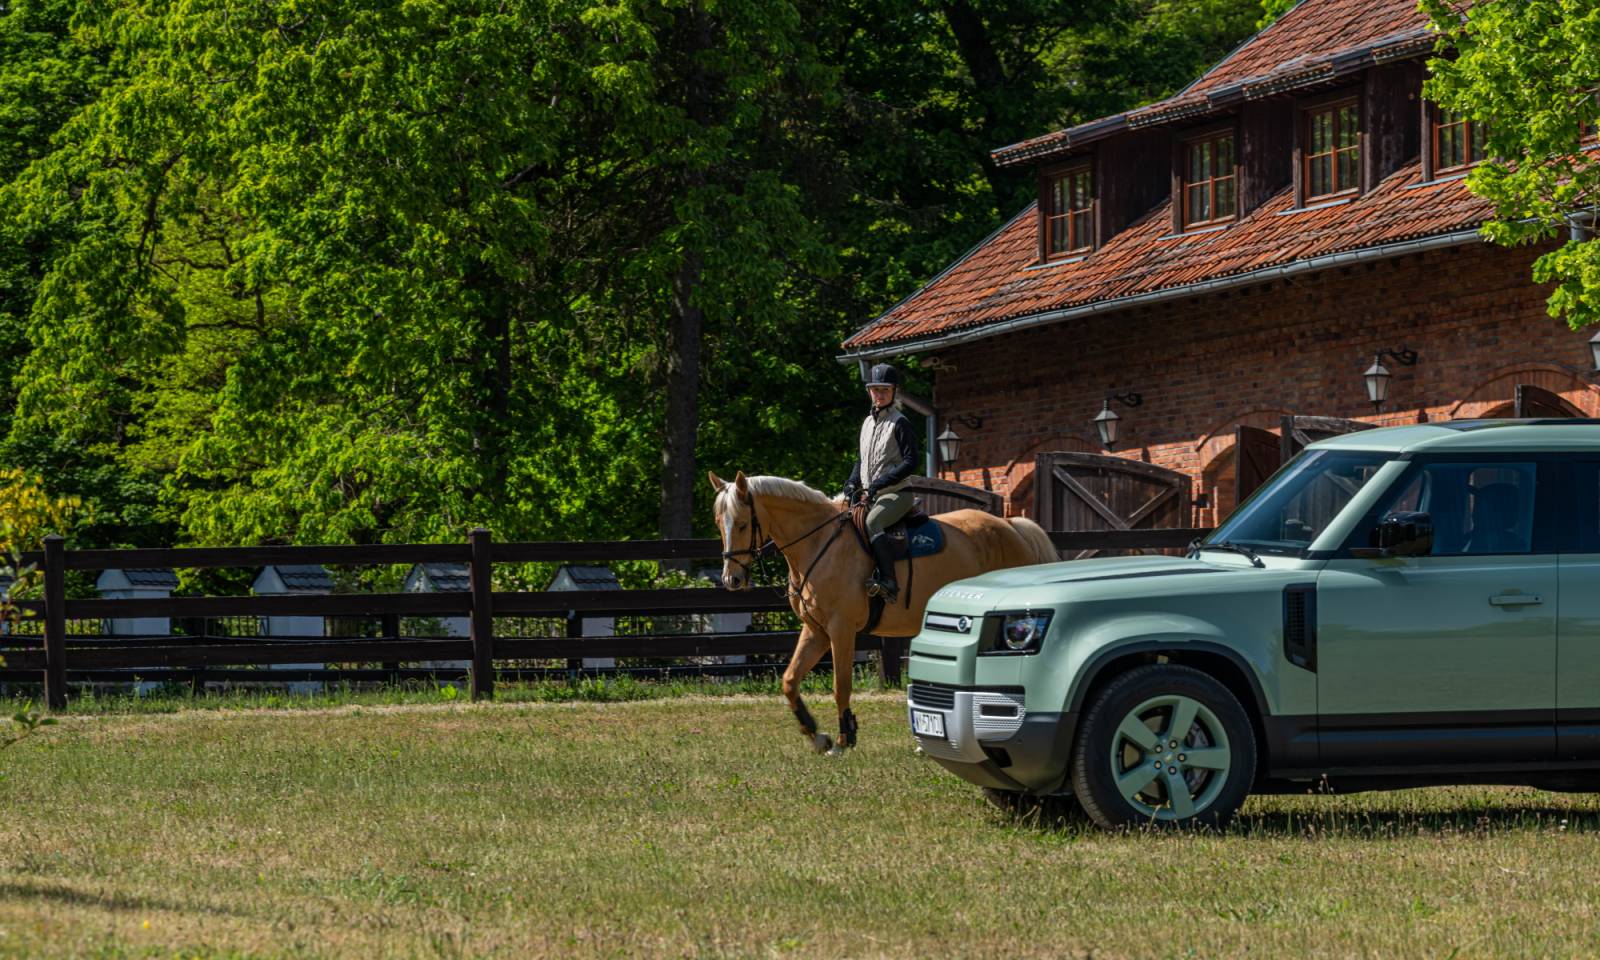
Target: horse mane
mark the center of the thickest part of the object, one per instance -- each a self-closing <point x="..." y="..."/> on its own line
<point x="781" y="487"/>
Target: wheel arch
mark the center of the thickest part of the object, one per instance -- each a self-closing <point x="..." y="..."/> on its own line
<point x="1224" y="665"/>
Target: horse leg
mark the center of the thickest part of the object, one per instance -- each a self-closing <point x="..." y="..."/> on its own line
<point x="807" y="652"/>
<point x="844" y="665"/>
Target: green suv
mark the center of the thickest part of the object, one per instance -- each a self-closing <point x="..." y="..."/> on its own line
<point x="1394" y="608"/>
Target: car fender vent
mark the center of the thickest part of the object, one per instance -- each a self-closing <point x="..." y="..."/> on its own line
<point x="1300" y="625"/>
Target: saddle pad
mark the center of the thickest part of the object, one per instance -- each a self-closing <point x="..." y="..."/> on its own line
<point x="924" y="537"/>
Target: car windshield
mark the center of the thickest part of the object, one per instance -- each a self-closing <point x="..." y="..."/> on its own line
<point x="1297" y="504"/>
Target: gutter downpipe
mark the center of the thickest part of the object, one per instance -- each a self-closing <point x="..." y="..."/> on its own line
<point x="1159" y="296"/>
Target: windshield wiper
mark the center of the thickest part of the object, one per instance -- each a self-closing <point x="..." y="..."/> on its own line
<point x="1230" y="546"/>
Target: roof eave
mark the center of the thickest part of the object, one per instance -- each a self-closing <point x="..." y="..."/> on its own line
<point x="1180" y="108"/>
<point x="971" y="334"/>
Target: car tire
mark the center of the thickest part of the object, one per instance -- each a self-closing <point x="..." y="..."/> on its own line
<point x="1130" y="767"/>
<point x="1053" y="811"/>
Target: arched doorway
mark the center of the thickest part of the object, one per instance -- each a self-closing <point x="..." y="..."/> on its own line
<point x="1530" y="401"/>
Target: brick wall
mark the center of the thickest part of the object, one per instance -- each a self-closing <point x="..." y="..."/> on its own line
<point x="1294" y="346"/>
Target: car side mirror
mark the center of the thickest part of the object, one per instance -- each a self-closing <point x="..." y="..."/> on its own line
<point x="1404" y="534"/>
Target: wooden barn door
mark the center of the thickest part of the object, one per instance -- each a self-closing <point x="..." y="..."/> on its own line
<point x="1256" y="455"/>
<point x="1299" y="432"/>
<point x="943" y="496"/>
<point x="1090" y="492"/>
<point x="1538" y="403"/>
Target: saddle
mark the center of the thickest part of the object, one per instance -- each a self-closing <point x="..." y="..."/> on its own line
<point x="914" y="535"/>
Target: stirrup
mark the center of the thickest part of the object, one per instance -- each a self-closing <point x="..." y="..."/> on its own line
<point x="885" y="589"/>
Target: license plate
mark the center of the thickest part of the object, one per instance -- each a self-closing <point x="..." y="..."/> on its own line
<point x="925" y="723"/>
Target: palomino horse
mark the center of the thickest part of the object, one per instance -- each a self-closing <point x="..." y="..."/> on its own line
<point x="827" y="570"/>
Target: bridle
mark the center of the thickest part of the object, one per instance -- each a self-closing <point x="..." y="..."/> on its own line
<point x="760" y="553"/>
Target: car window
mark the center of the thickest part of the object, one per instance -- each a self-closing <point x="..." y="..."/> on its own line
<point x="1476" y="508"/>
<point x="1585" y="507"/>
<point x="1300" y="500"/>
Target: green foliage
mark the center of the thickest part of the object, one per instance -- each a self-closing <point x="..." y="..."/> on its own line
<point x="363" y="272"/>
<point x="1273" y="9"/>
<point x="1529" y="71"/>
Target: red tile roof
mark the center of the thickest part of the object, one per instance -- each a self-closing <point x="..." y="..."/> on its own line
<point x="1314" y="30"/>
<point x="1317" y="42"/>
<point x="1000" y="279"/>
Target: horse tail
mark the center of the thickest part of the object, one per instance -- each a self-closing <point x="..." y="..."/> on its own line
<point x="1037" y="542"/>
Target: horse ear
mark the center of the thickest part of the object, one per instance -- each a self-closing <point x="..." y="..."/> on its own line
<point x="717" y="483"/>
<point x="744" y="487"/>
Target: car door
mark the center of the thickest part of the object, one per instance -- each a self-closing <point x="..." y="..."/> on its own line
<point x="1578" y="664"/>
<point x="1449" y="658"/>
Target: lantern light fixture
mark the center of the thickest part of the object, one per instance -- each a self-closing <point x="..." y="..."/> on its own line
<point x="1377" y="375"/>
<point x="1106" y="421"/>
<point x="949" y="446"/>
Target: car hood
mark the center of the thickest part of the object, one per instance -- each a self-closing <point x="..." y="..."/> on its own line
<point x="1080" y="571"/>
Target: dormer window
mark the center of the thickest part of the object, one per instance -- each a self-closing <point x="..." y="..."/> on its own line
<point x="1210" y="180"/>
<point x="1332" y="150"/>
<point x="1068" y="208"/>
<point x="1457" y="142"/>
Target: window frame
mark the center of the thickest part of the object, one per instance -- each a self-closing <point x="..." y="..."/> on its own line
<point x="1182" y="184"/>
<point x="1076" y="246"/>
<point x="1436" y="122"/>
<point x="1308" y="112"/>
<point x="1548" y="536"/>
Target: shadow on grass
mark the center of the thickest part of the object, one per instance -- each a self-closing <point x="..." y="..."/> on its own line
<point x="1064" y="815"/>
<point x="69" y="896"/>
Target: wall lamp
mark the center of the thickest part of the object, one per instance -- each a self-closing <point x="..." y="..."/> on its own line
<point x="1106" y="420"/>
<point x="1377" y="375"/>
<point x="950" y="441"/>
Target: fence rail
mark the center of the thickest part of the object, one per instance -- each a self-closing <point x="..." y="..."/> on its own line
<point x="97" y="657"/>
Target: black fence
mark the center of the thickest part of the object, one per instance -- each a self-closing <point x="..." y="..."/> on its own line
<point x="219" y="637"/>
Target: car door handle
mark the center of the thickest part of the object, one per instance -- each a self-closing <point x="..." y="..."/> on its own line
<point x="1516" y="599"/>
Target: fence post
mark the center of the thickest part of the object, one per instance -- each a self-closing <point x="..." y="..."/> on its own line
<point x="574" y="629"/>
<point x="889" y="660"/>
<point x="391" y="632"/>
<point x="482" y="616"/>
<point x="55" y="623"/>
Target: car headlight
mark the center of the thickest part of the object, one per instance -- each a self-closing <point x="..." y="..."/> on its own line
<point x="1016" y="633"/>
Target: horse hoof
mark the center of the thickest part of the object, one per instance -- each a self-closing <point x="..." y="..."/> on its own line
<point x="822" y="743"/>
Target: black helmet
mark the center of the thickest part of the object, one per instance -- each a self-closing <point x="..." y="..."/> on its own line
<point x="883" y="375"/>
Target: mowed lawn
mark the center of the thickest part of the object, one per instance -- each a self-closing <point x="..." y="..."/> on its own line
<point x="704" y="827"/>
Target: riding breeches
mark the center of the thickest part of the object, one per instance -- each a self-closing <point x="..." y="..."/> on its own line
<point x="887" y="509"/>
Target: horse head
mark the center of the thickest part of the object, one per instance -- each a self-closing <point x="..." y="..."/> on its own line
<point x="736" y="525"/>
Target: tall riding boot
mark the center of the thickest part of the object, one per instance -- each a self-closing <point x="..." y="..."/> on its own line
<point x="882" y="583"/>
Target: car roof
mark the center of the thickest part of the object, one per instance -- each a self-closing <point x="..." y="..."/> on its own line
<point x="1541" y="436"/>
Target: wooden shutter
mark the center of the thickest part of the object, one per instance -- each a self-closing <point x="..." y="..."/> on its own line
<point x="1300" y="432"/>
<point x="1255" y="453"/>
<point x="943" y="496"/>
<point x="1091" y="492"/>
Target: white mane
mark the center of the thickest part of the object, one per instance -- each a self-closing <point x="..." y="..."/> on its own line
<point x="774" y="487"/>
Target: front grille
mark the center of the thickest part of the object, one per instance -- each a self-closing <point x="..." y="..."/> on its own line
<point x="926" y="695"/>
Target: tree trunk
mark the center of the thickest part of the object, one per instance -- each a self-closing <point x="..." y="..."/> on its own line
<point x="988" y="74"/>
<point x="683" y="402"/>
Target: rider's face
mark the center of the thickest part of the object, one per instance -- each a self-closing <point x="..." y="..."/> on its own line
<point x="881" y="396"/>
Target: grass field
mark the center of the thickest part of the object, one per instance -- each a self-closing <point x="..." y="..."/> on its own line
<point x="703" y="827"/>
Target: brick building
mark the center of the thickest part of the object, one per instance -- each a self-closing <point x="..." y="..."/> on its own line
<point x="1237" y="256"/>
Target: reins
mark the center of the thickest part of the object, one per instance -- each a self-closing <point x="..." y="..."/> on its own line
<point x="760" y="554"/>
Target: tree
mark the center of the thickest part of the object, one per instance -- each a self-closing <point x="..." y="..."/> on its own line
<point x="1526" y="73"/>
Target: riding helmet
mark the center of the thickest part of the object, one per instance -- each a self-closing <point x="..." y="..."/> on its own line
<point x="883" y="375"/>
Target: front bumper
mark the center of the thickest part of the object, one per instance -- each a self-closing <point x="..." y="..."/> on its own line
<point x="991" y="740"/>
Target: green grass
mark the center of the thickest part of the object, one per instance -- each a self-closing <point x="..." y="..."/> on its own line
<point x="595" y="689"/>
<point x="702" y="826"/>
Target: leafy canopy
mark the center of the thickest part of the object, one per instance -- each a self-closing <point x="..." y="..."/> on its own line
<point x="1528" y="71"/>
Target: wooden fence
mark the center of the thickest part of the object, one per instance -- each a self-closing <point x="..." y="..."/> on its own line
<point x="53" y="653"/>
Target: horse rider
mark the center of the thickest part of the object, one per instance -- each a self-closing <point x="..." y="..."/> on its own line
<point x="888" y="451"/>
